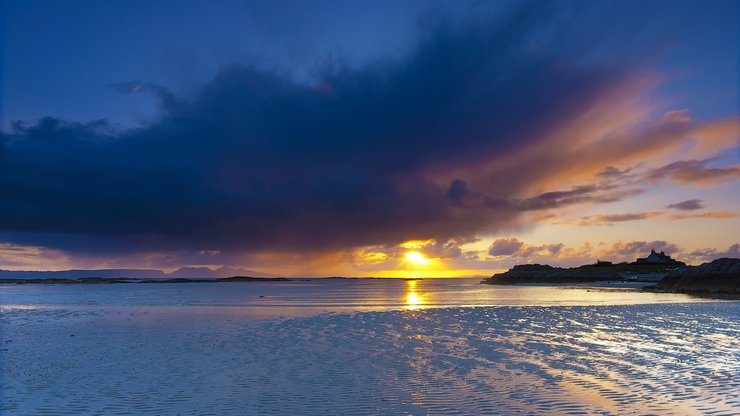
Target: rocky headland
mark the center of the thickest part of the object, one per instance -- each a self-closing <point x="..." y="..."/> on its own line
<point x="542" y="273"/>
<point x="648" y="269"/>
<point x="720" y="276"/>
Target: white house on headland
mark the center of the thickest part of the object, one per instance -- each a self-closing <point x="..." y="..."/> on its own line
<point x="656" y="258"/>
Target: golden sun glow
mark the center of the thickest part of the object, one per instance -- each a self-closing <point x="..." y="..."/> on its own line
<point x="416" y="258"/>
<point x="415" y="244"/>
<point x="409" y="260"/>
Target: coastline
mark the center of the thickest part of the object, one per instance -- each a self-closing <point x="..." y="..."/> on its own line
<point x="719" y="278"/>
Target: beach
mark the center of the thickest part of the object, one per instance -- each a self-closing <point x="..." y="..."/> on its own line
<point x="351" y="346"/>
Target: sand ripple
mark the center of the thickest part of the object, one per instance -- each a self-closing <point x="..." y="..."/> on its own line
<point x="678" y="359"/>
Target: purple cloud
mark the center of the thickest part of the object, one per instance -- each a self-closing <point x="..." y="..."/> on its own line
<point x="505" y="247"/>
<point x="688" y="205"/>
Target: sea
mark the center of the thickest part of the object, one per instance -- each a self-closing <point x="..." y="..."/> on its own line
<point x="365" y="346"/>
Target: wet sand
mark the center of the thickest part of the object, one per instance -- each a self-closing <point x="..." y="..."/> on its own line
<point x="672" y="358"/>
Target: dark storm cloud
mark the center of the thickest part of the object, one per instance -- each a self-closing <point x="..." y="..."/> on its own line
<point x="258" y="161"/>
<point x="167" y="100"/>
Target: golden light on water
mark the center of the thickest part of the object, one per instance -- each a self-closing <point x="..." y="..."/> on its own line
<point x="413" y="297"/>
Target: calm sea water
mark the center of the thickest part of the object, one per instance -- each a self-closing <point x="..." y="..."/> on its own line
<point x="310" y="296"/>
<point x="364" y="347"/>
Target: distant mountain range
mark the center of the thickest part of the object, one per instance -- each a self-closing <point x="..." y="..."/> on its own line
<point x="184" y="272"/>
<point x="222" y="272"/>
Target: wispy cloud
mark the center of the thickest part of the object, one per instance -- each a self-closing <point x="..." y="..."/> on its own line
<point x="560" y="254"/>
<point x="608" y="219"/>
<point x="709" y="254"/>
<point x="612" y="219"/>
<point x="505" y="247"/>
<point x="695" y="172"/>
<point x="687" y="205"/>
<point x="712" y="215"/>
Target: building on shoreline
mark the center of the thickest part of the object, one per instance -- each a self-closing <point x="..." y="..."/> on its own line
<point x="656" y="258"/>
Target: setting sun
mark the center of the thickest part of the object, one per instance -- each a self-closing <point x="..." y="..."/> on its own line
<point x="416" y="258"/>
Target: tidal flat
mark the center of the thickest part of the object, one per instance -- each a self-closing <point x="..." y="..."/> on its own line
<point x="390" y="347"/>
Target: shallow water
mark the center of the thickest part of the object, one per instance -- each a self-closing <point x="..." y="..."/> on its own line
<point x="364" y="347"/>
<point x="311" y="296"/>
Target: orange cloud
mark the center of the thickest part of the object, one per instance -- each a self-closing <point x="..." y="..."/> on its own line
<point x="714" y="215"/>
<point x="695" y="172"/>
<point x="22" y="257"/>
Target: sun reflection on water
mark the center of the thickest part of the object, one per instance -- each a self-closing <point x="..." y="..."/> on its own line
<point x="414" y="300"/>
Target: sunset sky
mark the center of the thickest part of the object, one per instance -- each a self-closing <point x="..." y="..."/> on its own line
<point x="377" y="138"/>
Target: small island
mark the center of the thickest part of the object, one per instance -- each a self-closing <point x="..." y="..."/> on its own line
<point x="721" y="276"/>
